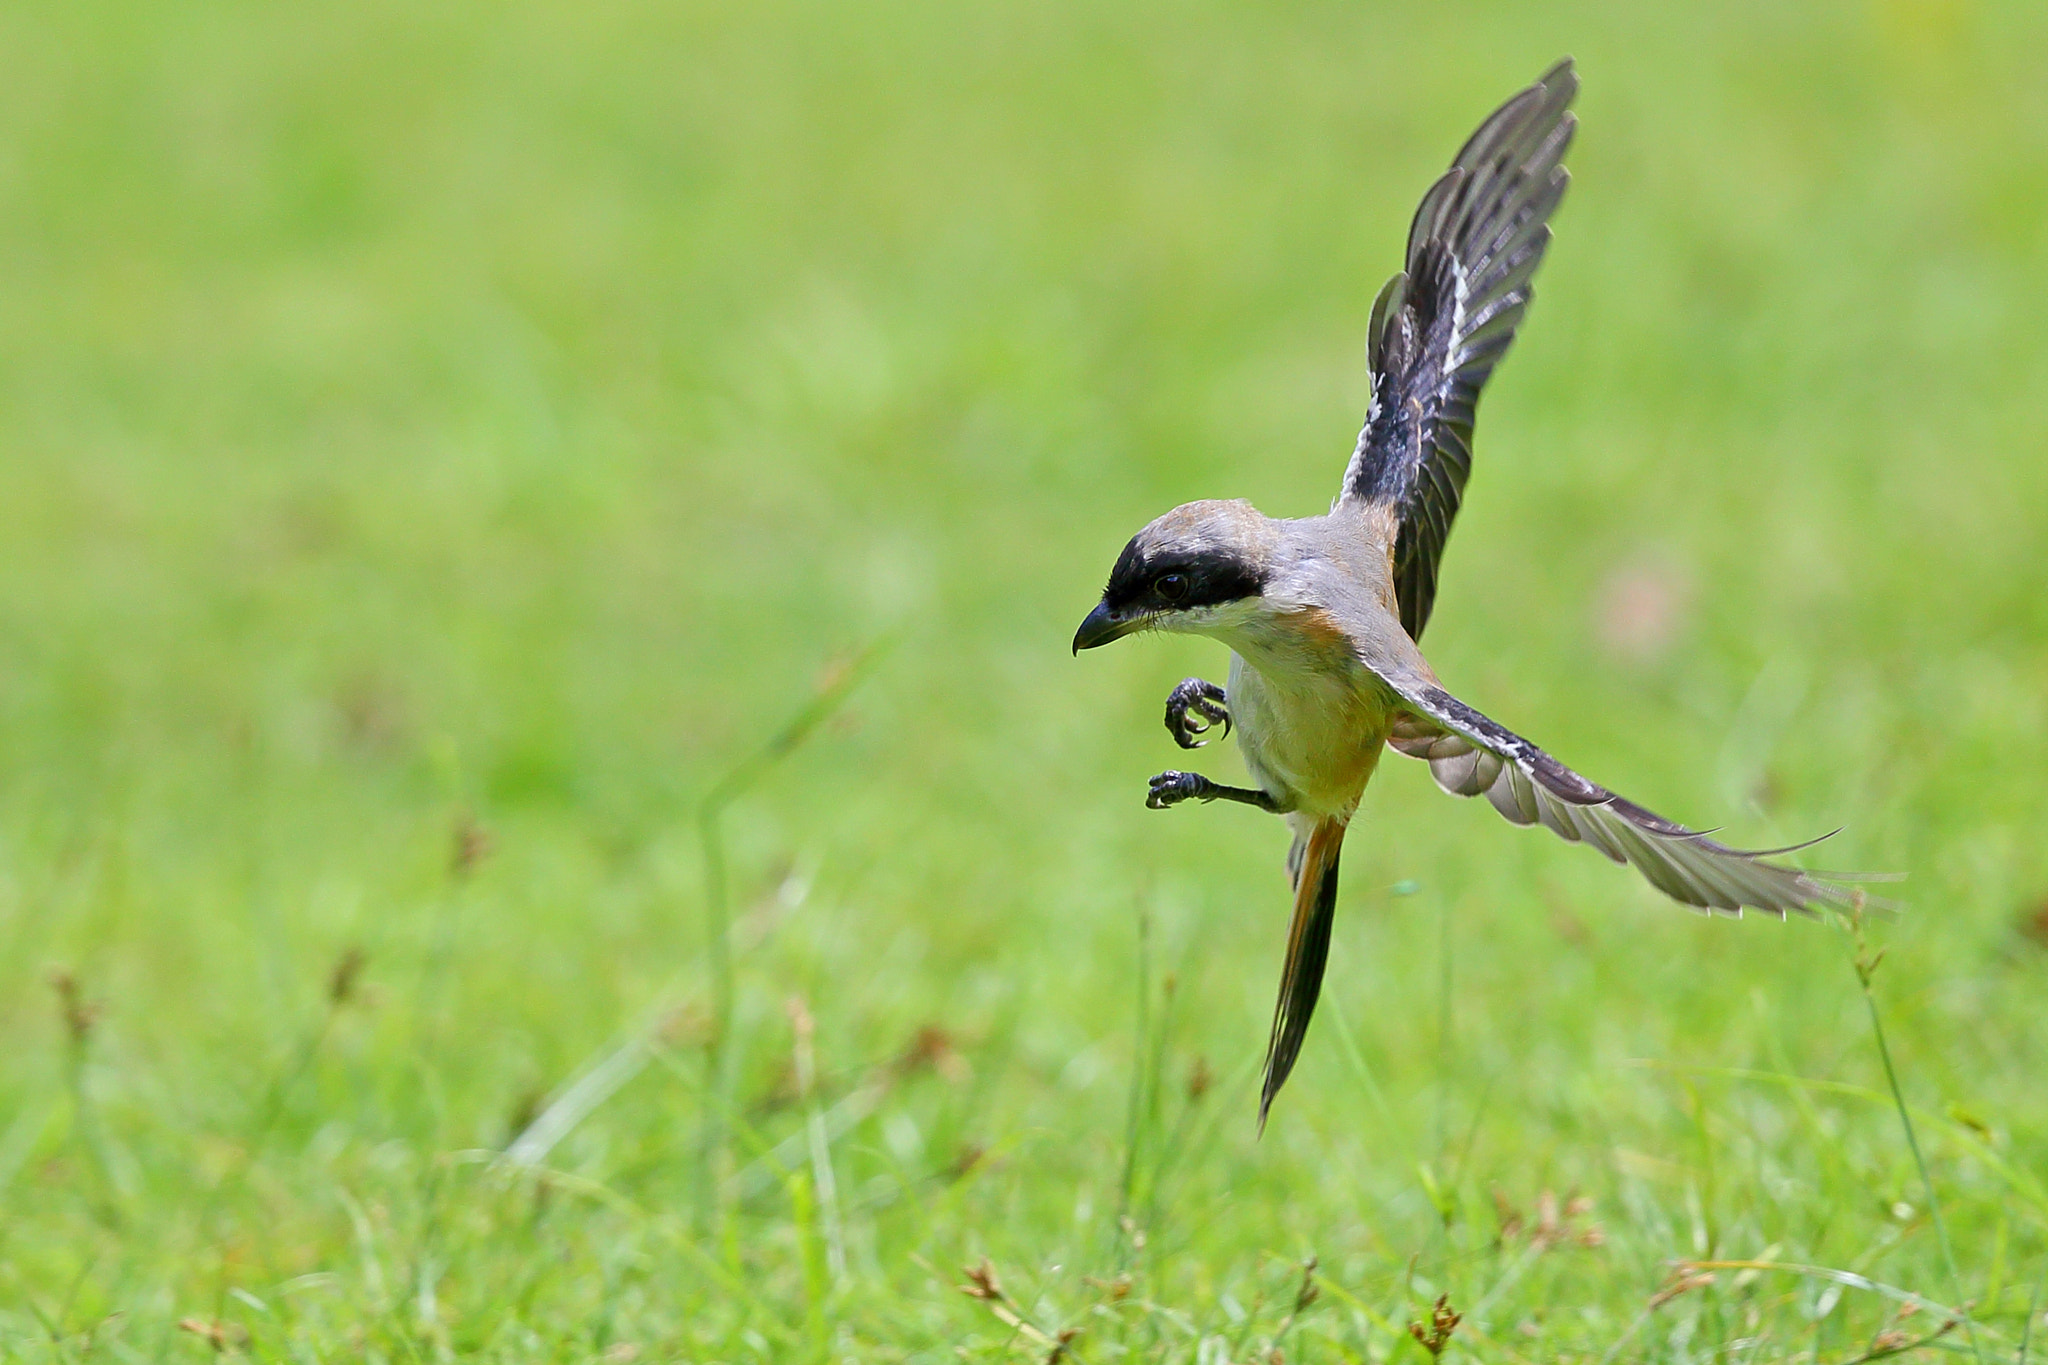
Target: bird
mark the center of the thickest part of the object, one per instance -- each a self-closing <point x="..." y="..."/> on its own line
<point x="1322" y="613"/>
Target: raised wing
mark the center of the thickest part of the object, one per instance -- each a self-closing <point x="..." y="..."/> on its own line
<point x="1470" y="755"/>
<point x="1440" y="326"/>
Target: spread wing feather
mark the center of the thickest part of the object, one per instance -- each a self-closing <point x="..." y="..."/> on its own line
<point x="1470" y="755"/>
<point x="1439" y="327"/>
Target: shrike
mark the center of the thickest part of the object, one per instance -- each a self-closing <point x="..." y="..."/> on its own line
<point x="1321" y="614"/>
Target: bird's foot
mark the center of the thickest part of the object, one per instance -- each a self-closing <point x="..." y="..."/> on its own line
<point x="1192" y="709"/>
<point x="1172" y="788"/>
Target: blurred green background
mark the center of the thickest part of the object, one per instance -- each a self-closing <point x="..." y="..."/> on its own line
<point x="438" y="442"/>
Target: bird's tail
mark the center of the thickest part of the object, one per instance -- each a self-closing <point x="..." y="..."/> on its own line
<point x="1314" y="864"/>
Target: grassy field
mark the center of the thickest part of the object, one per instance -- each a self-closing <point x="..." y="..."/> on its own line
<point x="442" y="449"/>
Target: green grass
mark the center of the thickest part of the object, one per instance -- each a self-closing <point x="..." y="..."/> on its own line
<point x="439" y="444"/>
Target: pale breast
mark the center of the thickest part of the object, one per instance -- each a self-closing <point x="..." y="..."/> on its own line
<point x="1309" y="735"/>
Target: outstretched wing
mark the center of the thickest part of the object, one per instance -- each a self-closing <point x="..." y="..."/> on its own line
<point x="1470" y="755"/>
<point x="1440" y="326"/>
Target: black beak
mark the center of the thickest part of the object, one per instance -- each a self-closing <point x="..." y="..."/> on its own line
<point x="1102" y="626"/>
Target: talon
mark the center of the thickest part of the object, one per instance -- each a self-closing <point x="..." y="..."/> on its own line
<point x="1194" y="708"/>
<point x="1172" y="788"/>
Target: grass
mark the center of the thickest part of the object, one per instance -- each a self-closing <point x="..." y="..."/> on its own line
<point x="440" y="444"/>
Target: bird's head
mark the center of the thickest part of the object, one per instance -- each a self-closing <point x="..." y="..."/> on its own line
<point x="1198" y="570"/>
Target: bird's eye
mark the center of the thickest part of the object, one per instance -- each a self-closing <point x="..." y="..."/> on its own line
<point x="1171" y="586"/>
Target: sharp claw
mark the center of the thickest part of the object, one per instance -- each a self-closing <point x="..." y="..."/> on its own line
<point x="1169" y="789"/>
<point x="1195" y="708"/>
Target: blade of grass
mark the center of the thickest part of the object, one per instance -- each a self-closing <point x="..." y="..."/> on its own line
<point x="834" y="688"/>
<point x="1335" y="1007"/>
<point x="1443" y="1030"/>
<point x="2023" y="1183"/>
<point x="1866" y="968"/>
<point x="1848" y="1279"/>
<point x="598" y="1082"/>
<point x="1138" y="1105"/>
<point x="824" y="1184"/>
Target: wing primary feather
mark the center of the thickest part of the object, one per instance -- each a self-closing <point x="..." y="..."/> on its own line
<point x="1431" y="212"/>
<point x="1594" y="831"/>
<point x="1471" y="755"/>
<point x="1386" y="305"/>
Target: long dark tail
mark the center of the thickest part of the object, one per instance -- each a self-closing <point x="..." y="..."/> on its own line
<point x="1308" y="950"/>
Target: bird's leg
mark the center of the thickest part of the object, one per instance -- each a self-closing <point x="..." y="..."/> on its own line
<point x="1205" y="701"/>
<point x="1172" y="788"/>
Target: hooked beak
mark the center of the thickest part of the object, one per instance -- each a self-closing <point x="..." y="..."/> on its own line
<point x="1104" y="625"/>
